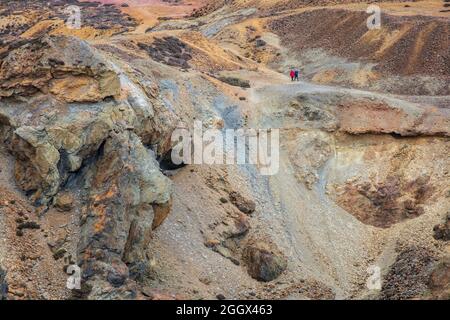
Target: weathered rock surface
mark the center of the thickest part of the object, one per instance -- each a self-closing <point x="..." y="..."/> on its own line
<point x="64" y="201"/>
<point x="52" y="140"/>
<point x="116" y="228"/>
<point x="77" y="125"/>
<point x="385" y="203"/>
<point x="264" y="263"/>
<point x="170" y="51"/>
<point x="63" y="66"/>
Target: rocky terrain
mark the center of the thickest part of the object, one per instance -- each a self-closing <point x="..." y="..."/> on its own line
<point x="87" y="180"/>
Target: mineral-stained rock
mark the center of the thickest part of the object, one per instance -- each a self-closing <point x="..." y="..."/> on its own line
<point x="245" y="205"/>
<point x="51" y="136"/>
<point x="367" y="116"/>
<point x="263" y="262"/>
<point x="161" y="211"/>
<point x="125" y="184"/>
<point x="382" y="204"/>
<point x="64" y="66"/>
<point x="69" y="126"/>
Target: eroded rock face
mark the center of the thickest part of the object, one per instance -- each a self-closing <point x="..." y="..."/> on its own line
<point x="116" y="228"/>
<point x="63" y="66"/>
<point x="366" y="116"/>
<point x="386" y="203"/>
<point x="77" y="125"/>
<point x="49" y="134"/>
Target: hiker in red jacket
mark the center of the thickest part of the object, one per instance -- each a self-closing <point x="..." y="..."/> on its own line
<point x="292" y="74"/>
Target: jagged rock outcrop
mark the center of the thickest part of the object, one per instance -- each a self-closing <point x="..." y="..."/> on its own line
<point x="125" y="183"/>
<point x="264" y="262"/>
<point x="77" y="126"/>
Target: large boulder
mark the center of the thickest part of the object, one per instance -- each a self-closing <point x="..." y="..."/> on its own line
<point x="52" y="125"/>
<point x="264" y="262"/>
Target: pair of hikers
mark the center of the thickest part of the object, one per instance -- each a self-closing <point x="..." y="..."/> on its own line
<point x="294" y="74"/>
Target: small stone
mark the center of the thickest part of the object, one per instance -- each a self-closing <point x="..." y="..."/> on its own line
<point x="220" y="297"/>
<point x="64" y="202"/>
<point x="59" y="253"/>
<point x="223" y="200"/>
<point x="205" y="280"/>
